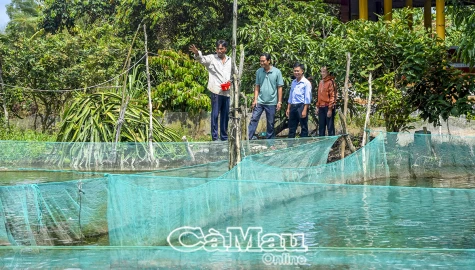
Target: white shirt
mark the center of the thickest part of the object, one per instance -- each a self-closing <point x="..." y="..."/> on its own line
<point x="218" y="72"/>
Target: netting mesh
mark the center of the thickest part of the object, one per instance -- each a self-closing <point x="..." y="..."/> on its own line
<point x="307" y="163"/>
<point x="110" y="157"/>
<point x="352" y="212"/>
<point x="356" y="215"/>
<point x="426" y="155"/>
<point x="209" y="170"/>
<point x="93" y="257"/>
<point x="53" y="213"/>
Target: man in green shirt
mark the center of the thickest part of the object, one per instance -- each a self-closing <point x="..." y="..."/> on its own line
<point x="267" y="95"/>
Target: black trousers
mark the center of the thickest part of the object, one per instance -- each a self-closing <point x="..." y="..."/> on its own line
<point x="325" y="122"/>
<point x="295" y="117"/>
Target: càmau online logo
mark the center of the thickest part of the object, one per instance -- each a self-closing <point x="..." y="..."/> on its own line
<point x="189" y="239"/>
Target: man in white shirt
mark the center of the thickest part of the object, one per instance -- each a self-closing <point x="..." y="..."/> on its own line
<point x="219" y="76"/>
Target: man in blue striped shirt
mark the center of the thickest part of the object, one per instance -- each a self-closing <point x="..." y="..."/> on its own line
<point x="299" y="102"/>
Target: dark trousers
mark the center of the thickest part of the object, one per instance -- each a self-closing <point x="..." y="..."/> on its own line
<point x="325" y="122"/>
<point x="219" y="106"/>
<point x="295" y="117"/>
<point x="256" y="115"/>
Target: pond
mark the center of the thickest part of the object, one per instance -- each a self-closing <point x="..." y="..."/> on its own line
<point x="417" y="211"/>
<point x="10" y="178"/>
<point x="430" y="223"/>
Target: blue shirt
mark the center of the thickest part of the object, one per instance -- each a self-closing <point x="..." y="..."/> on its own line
<point x="268" y="83"/>
<point x="300" y="92"/>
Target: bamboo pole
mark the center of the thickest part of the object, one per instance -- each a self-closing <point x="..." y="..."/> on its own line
<point x="149" y="93"/>
<point x="347" y="138"/>
<point x="120" y="121"/>
<point x="127" y="64"/>
<point x="3" y="96"/>
<point x="440" y="18"/>
<point x="237" y="107"/>
<point x="366" y="123"/>
<point x="368" y="109"/>
<point x="428" y="15"/>
<point x="188" y="149"/>
<point x="125" y="100"/>
<point x="235" y="127"/>
<point x="363" y="9"/>
<point x="388" y="10"/>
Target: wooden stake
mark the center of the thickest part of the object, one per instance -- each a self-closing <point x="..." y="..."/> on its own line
<point x="125" y="100"/>
<point x="235" y="126"/>
<point x="3" y="96"/>
<point x="149" y="93"/>
<point x="368" y="109"/>
<point x="347" y="138"/>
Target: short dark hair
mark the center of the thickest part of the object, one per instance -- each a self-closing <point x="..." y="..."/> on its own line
<point x="300" y="66"/>
<point x="267" y="55"/>
<point x="327" y="68"/>
<point x="222" y="42"/>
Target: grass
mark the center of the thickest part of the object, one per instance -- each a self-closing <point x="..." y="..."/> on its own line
<point x="18" y="134"/>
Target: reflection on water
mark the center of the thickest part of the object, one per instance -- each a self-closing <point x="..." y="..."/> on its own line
<point x="167" y="258"/>
<point x="373" y="216"/>
<point x="428" y="182"/>
<point x="9" y="178"/>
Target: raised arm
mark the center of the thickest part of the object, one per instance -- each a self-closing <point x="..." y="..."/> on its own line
<point x="204" y="60"/>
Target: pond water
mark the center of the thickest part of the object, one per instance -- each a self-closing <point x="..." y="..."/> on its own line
<point x="464" y="182"/>
<point x="375" y="216"/>
<point x="10" y="178"/>
<point x="414" y="223"/>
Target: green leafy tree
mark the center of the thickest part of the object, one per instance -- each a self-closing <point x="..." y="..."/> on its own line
<point x="58" y="62"/>
<point x="176" y="23"/>
<point x="24" y="15"/>
<point x="60" y="14"/>
<point x="444" y="93"/>
<point x="398" y="58"/>
<point x="179" y="83"/>
<point x="463" y="16"/>
<point x="290" y="36"/>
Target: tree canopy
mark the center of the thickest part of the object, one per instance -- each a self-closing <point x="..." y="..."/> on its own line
<point x="90" y="47"/>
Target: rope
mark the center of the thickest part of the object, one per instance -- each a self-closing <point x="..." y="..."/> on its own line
<point x="77" y="89"/>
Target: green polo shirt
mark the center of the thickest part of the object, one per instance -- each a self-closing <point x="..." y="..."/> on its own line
<point x="268" y="83"/>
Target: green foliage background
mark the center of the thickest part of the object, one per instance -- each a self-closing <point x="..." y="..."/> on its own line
<point x="57" y="45"/>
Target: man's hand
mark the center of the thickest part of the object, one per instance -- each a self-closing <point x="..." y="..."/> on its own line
<point x="254" y="103"/>
<point x="193" y="49"/>
<point x="329" y="113"/>
<point x="304" y="114"/>
<point x="279" y="105"/>
<point x="287" y="112"/>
